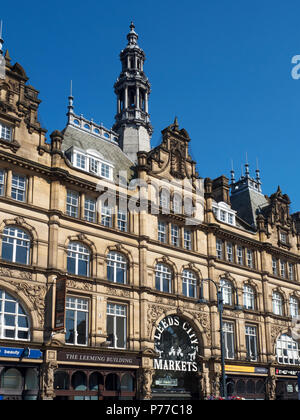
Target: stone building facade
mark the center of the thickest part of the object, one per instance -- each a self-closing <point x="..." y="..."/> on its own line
<point x="113" y="256"/>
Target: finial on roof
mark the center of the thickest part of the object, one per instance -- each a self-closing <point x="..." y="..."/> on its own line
<point x="258" y="180"/>
<point x="1" y="39"/>
<point x="232" y="173"/>
<point x="7" y="57"/>
<point x="71" y="98"/>
<point x="132" y="36"/>
<point x="176" y="125"/>
<point x="247" y="173"/>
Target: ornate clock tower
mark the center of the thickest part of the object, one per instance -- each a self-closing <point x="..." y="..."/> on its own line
<point x="132" y="89"/>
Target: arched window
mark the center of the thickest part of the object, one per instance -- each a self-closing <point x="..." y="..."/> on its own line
<point x="11" y="379"/>
<point x="287" y="350"/>
<point x="15" y="245"/>
<point x="112" y="382"/>
<point x="249" y="297"/>
<point x="294" y="306"/>
<point x="226" y="288"/>
<point x="164" y="199"/>
<point x="163" y="278"/>
<point x="189" y="283"/>
<point x="14" y="322"/>
<point x="78" y="261"/>
<point x="177" y="204"/>
<point x="116" y="268"/>
<point x="127" y="383"/>
<point x="96" y="381"/>
<point x="61" y="380"/>
<point x="277" y="303"/>
<point x="79" y="381"/>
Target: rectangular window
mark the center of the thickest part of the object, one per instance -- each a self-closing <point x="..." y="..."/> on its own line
<point x="228" y="332"/>
<point x="122" y="220"/>
<point x="223" y="215"/>
<point x="18" y="187"/>
<point x="80" y="161"/>
<point x="230" y="219"/>
<point x="5" y="132"/>
<point x="162" y="231"/>
<point x="282" y="269"/>
<point x="219" y="247"/>
<point x="94" y="166"/>
<point x="116" y="326"/>
<point x="106" y="215"/>
<point x="77" y="311"/>
<point x="240" y="255"/>
<point x="283" y="237"/>
<point x="251" y="342"/>
<point x="250" y="263"/>
<point x="229" y="249"/>
<point x="188" y="239"/>
<point x="72" y="203"/>
<point x="2" y="182"/>
<point x="291" y="272"/>
<point x="174" y="235"/>
<point x="90" y="209"/>
<point x="274" y="266"/>
<point x="105" y="171"/>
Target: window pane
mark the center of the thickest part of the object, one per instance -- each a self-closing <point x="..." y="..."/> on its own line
<point x="81" y="327"/>
<point x="70" y="324"/>
<point x="7" y="251"/>
<point x="110" y="330"/>
<point x="120" y="324"/>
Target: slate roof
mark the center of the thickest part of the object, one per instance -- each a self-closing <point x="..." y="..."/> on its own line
<point x="110" y="151"/>
<point x="248" y="203"/>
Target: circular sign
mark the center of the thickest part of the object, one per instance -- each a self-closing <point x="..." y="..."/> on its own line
<point x="176" y="345"/>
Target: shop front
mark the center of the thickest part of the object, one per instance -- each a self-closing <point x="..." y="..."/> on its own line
<point x="83" y="375"/>
<point x="248" y="382"/>
<point x="19" y="373"/>
<point x="286" y="384"/>
<point x="176" y="368"/>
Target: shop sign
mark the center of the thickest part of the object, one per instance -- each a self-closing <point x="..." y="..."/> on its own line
<point x="167" y="381"/>
<point x="176" y="345"/>
<point x="245" y="369"/>
<point x="60" y="303"/>
<point x="18" y="353"/>
<point x="286" y="372"/>
<point x="69" y="356"/>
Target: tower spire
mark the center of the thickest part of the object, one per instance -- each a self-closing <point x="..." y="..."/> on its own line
<point x="70" y="102"/>
<point x="132" y="89"/>
<point x="1" y="39"/>
<point x="2" y="58"/>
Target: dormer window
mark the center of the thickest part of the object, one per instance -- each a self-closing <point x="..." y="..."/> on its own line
<point x="223" y="212"/>
<point x="90" y="161"/>
<point x="5" y="132"/>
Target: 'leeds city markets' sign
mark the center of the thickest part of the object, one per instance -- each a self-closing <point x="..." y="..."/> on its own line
<point x="176" y="344"/>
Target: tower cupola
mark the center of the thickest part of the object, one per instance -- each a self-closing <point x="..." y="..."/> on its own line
<point x="132" y="89"/>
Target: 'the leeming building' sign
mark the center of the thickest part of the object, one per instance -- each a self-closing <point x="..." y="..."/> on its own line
<point x="176" y="344"/>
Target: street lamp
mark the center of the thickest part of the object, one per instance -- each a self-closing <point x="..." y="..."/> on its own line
<point x="220" y="304"/>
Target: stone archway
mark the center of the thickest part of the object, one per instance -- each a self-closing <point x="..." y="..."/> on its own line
<point x="176" y="368"/>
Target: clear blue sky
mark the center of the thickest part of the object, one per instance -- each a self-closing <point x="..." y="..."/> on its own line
<point x="223" y="67"/>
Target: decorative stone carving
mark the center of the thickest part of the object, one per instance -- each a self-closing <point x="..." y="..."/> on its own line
<point x="154" y="312"/>
<point x="112" y="291"/>
<point x="36" y="294"/>
<point x="87" y="286"/>
<point x="48" y="379"/>
<point x="12" y="273"/>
